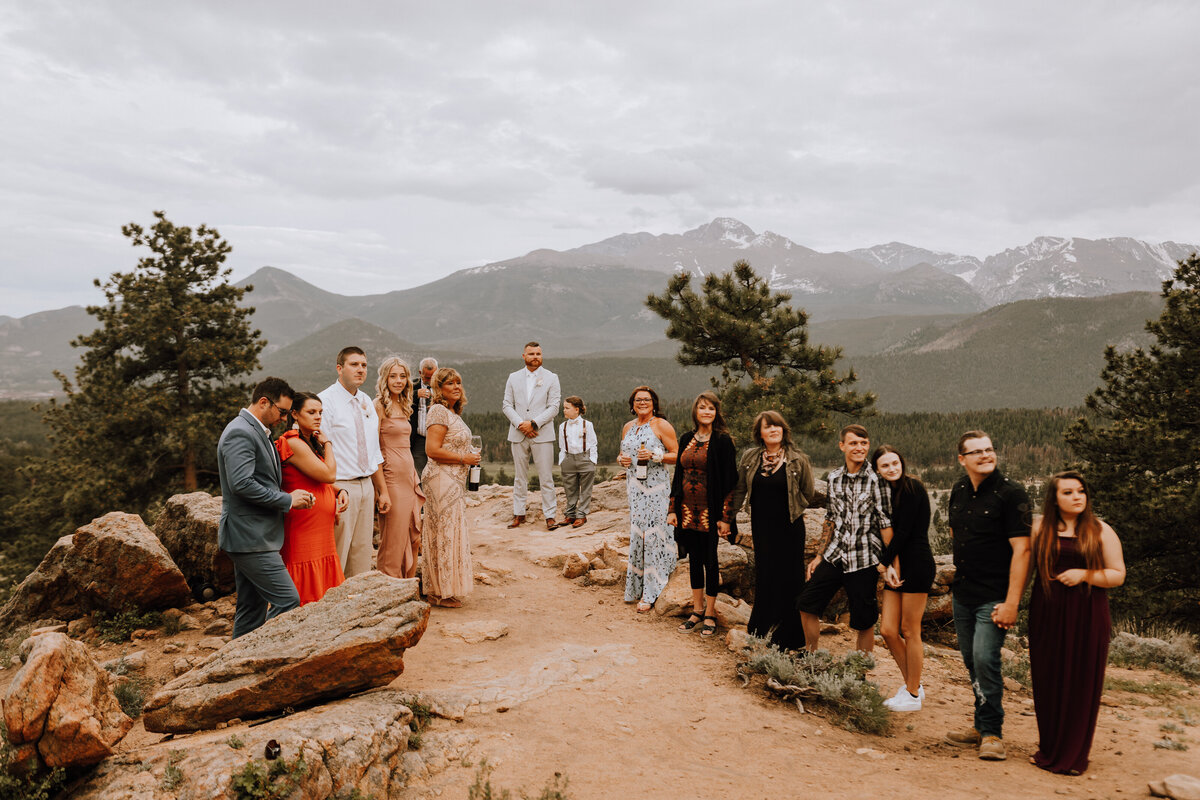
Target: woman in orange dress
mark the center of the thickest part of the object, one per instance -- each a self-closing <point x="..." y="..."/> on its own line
<point x="400" y="527"/>
<point x="308" y="549"/>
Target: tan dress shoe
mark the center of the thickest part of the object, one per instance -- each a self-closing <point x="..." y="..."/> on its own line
<point x="551" y="524"/>
<point x="518" y="520"/>
<point x="578" y="523"/>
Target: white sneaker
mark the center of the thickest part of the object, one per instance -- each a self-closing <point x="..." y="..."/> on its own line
<point x="903" y="692"/>
<point x="904" y="702"/>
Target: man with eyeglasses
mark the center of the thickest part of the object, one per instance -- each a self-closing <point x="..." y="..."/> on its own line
<point x="990" y="523"/>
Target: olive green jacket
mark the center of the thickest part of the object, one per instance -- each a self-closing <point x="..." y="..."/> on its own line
<point x="801" y="493"/>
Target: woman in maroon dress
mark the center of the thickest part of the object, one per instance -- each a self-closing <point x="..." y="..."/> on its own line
<point x="1077" y="557"/>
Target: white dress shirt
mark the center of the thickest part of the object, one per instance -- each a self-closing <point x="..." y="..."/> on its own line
<point x="337" y="421"/>
<point x="571" y="438"/>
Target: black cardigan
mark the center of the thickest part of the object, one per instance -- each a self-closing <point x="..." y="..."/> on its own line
<point x="910" y="525"/>
<point x="722" y="477"/>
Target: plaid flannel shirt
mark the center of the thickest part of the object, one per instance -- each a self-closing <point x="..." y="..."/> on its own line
<point x="859" y="509"/>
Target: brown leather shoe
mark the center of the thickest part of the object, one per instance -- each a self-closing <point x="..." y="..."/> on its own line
<point x="568" y="521"/>
<point x="551" y="524"/>
<point x="578" y="523"/>
<point x="518" y="520"/>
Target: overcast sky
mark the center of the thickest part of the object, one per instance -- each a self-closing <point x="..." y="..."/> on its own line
<point x="376" y="146"/>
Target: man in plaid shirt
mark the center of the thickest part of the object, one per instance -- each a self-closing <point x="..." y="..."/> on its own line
<point x="857" y="526"/>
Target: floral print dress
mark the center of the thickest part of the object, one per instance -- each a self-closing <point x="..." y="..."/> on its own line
<point x="652" y="550"/>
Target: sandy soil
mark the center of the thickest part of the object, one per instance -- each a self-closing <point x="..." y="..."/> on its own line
<point x="666" y="716"/>
<point x="624" y="705"/>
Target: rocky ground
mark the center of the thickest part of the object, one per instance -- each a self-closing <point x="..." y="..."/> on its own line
<point x="542" y="675"/>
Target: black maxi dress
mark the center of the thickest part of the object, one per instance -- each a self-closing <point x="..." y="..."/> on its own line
<point x="778" y="562"/>
<point x="1069" y="631"/>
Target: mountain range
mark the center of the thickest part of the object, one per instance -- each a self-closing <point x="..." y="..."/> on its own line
<point x="588" y="302"/>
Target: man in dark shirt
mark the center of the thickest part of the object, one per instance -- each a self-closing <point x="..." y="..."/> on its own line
<point x="990" y="523"/>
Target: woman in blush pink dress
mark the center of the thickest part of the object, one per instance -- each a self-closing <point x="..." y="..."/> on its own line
<point x="400" y="527"/>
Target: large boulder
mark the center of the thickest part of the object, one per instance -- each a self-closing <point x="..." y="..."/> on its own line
<point x="60" y="705"/>
<point x="112" y="563"/>
<point x="353" y="639"/>
<point x="187" y="527"/>
<point x="360" y="743"/>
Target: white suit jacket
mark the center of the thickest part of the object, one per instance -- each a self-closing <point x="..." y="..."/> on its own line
<point x="540" y="406"/>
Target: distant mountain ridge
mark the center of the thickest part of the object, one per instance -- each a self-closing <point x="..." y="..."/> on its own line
<point x="591" y="299"/>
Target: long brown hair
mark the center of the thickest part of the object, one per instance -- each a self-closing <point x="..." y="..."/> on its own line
<point x="718" y="423"/>
<point x="775" y="419"/>
<point x="906" y="484"/>
<point x="1045" y="536"/>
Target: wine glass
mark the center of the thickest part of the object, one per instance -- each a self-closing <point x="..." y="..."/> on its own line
<point x="477" y="444"/>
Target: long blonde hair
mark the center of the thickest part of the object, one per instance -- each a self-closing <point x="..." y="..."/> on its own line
<point x="384" y="397"/>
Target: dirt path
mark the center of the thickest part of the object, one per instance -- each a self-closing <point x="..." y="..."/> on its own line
<point x="625" y="706"/>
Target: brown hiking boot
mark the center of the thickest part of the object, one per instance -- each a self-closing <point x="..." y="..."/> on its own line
<point x="992" y="749"/>
<point x="968" y="738"/>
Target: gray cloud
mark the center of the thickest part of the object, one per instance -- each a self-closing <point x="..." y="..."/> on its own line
<point x="384" y="146"/>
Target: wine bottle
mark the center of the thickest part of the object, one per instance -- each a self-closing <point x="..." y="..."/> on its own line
<point x="473" y="479"/>
<point x="640" y="471"/>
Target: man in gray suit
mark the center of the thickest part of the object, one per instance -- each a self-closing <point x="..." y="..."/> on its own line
<point x="253" y="505"/>
<point x="531" y="399"/>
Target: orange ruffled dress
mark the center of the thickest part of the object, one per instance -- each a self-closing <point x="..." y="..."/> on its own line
<point x="308" y="548"/>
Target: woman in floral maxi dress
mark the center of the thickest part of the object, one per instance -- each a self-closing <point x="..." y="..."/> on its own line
<point x="649" y="439"/>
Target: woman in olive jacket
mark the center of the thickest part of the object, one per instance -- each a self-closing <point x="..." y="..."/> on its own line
<point x="700" y="510"/>
<point x="775" y="479"/>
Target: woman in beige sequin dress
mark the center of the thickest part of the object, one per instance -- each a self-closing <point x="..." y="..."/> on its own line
<point x="446" y="574"/>
<point x="400" y="527"/>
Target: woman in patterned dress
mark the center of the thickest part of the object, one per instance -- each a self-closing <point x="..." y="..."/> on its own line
<point x="446" y="552"/>
<point x="648" y="439"/>
<point x="701" y="505"/>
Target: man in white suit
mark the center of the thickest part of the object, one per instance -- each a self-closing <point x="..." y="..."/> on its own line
<point x="531" y="399"/>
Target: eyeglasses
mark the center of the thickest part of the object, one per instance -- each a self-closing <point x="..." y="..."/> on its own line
<point x="980" y="452"/>
<point x="283" y="412"/>
<point x="642" y="400"/>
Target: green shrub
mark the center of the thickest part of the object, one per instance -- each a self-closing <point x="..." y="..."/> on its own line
<point x="1176" y="654"/>
<point x="117" y="627"/>
<point x="235" y="742"/>
<point x="258" y="780"/>
<point x="131" y="694"/>
<point x="1167" y="743"/>
<point x="838" y="685"/>
<point x="22" y="781"/>
<point x="172" y="774"/>
<point x="1017" y="668"/>
<point x="482" y="789"/>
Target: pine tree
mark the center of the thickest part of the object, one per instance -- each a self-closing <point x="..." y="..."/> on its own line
<point x="157" y="382"/>
<point x="761" y="345"/>
<point x="1143" y="455"/>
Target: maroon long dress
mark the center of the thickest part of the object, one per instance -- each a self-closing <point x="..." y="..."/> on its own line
<point x="1069" y="631"/>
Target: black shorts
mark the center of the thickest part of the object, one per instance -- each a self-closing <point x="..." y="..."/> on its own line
<point x="860" y="593"/>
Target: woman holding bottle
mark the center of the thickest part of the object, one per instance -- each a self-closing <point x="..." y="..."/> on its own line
<point x="648" y="444"/>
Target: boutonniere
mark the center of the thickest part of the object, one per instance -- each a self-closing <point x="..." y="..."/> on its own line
<point x="538" y="384"/>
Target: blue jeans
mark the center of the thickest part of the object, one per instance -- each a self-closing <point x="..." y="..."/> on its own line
<point x="260" y="579"/>
<point x="980" y="640"/>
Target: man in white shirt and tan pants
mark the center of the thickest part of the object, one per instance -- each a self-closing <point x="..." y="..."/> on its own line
<point x="531" y="399"/>
<point x="350" y="422"/>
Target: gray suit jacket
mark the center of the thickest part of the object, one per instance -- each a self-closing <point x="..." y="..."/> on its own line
<point x="540" y="406"/>
<point x="252" y="504"/>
